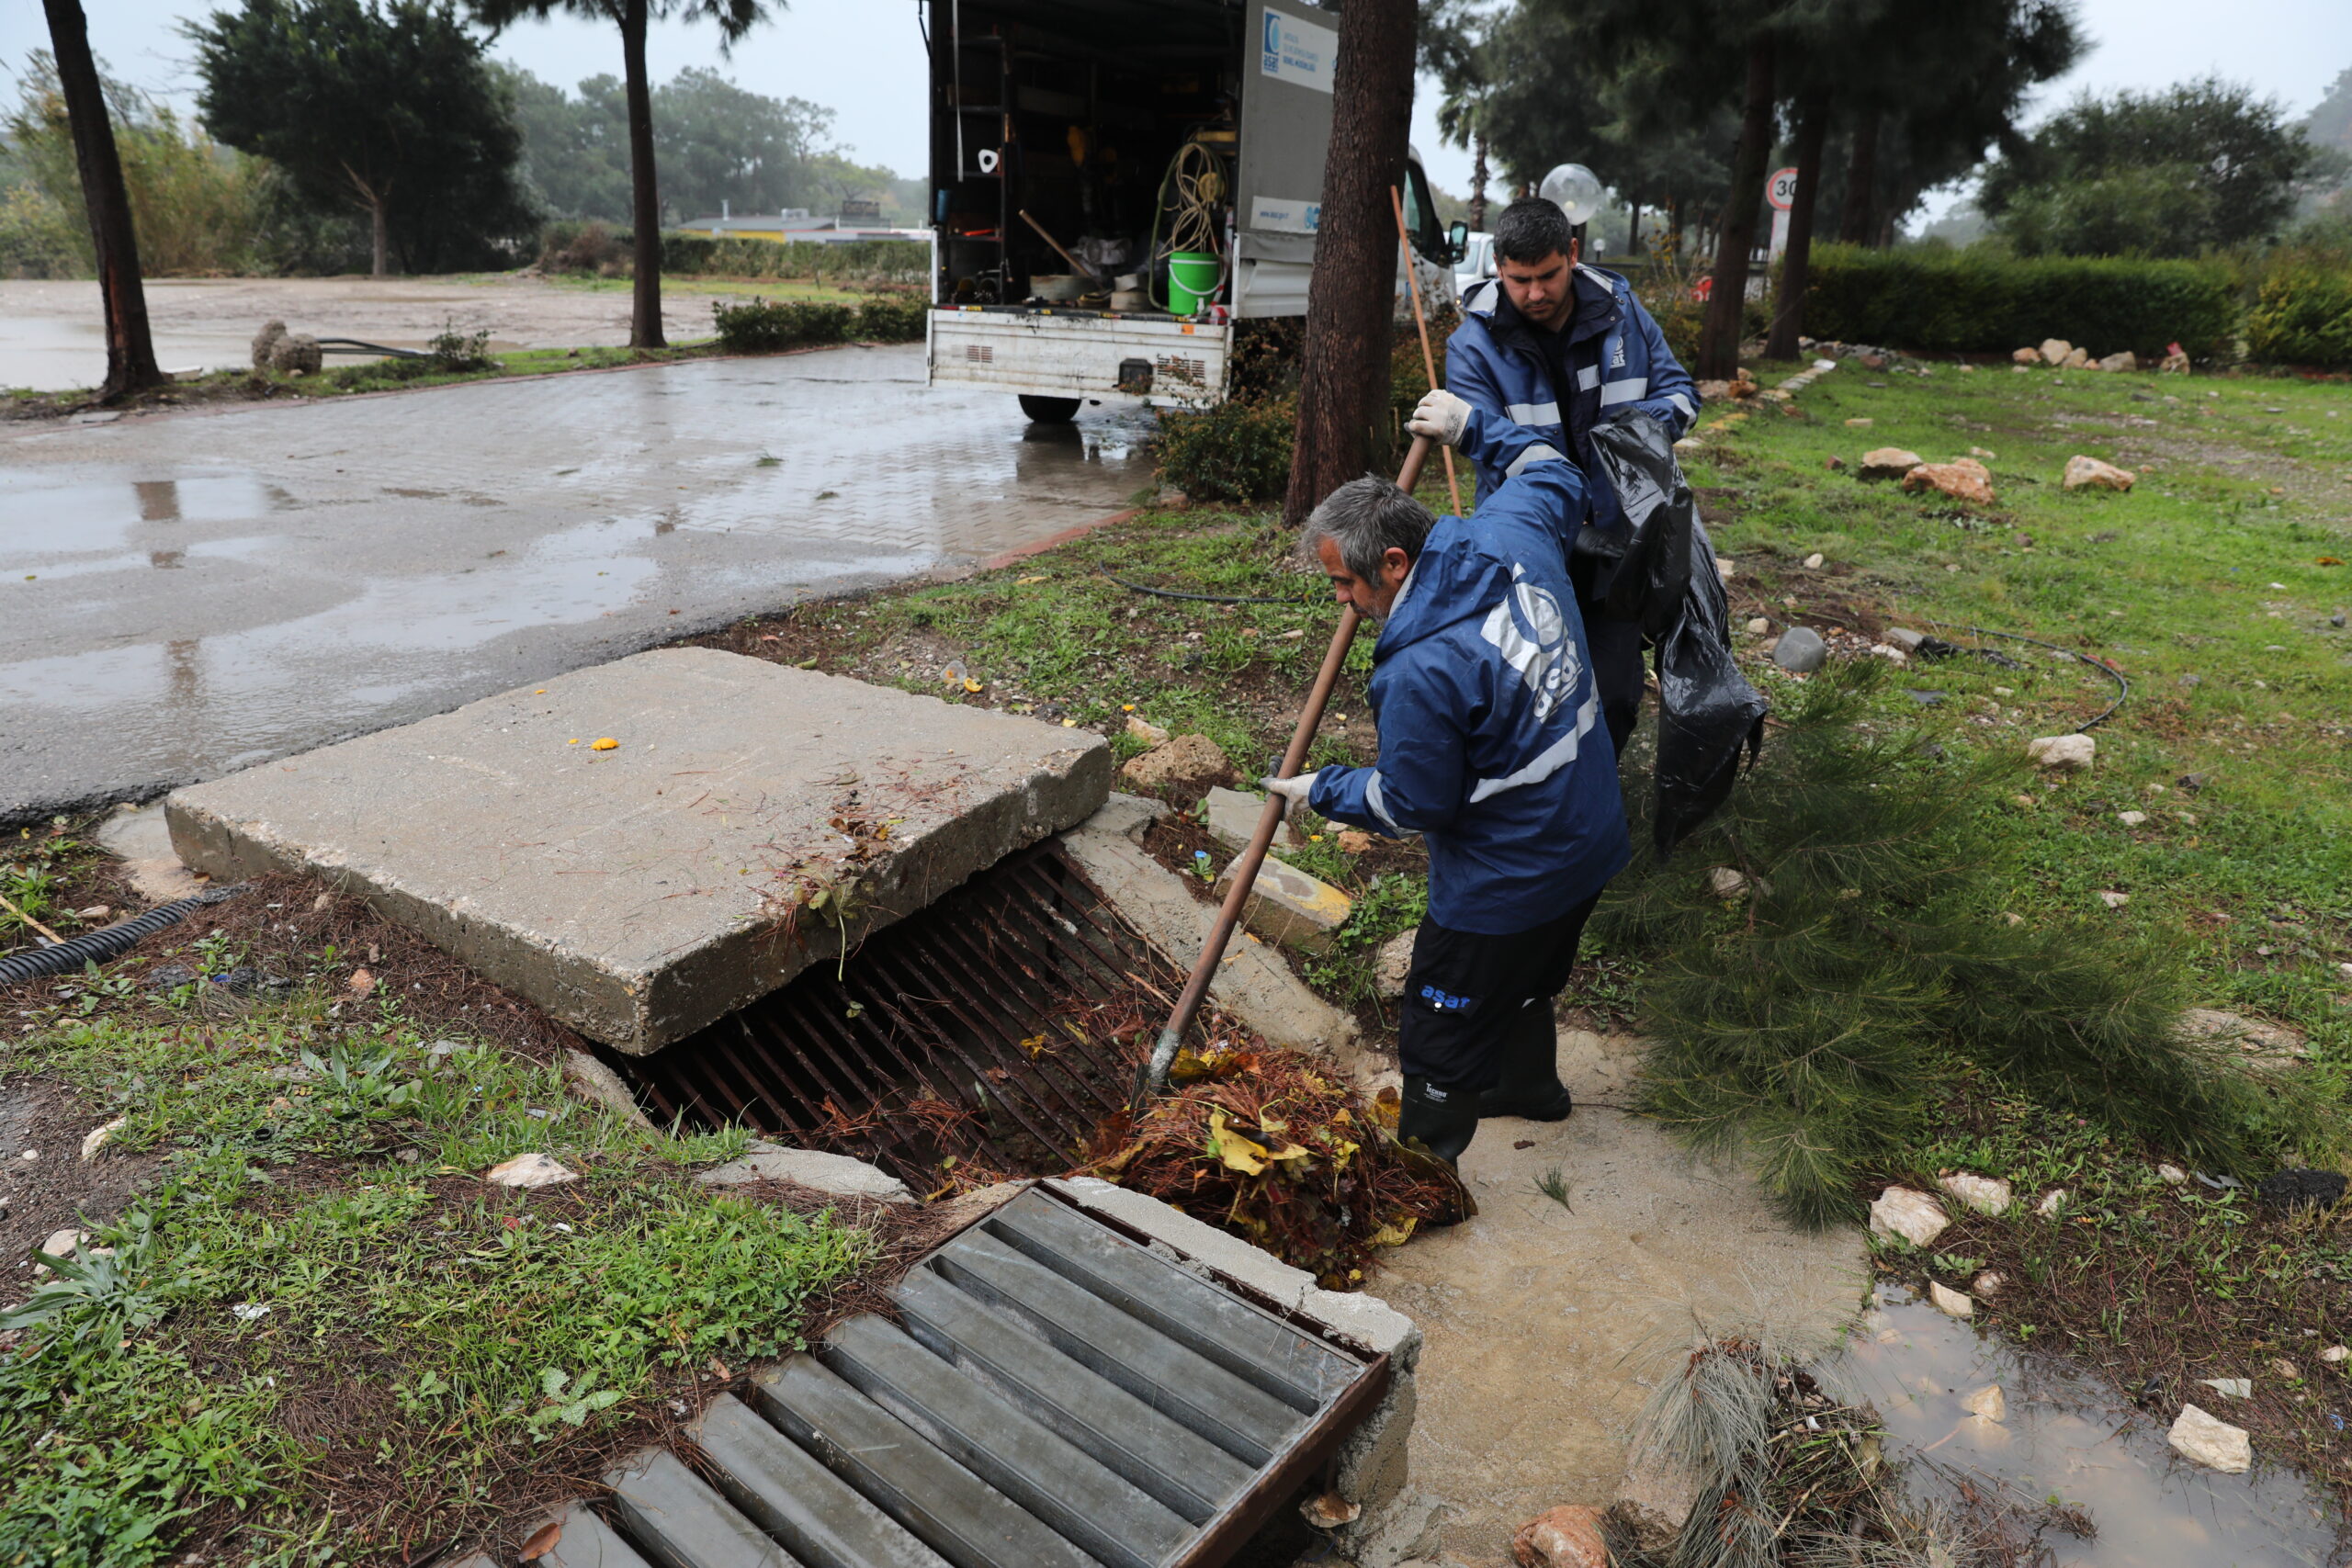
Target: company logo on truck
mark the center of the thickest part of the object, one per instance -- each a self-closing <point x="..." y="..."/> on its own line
<point x="1297" y="51"/>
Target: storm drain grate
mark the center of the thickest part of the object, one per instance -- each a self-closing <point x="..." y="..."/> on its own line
<point x="980" y="1028"/>
<point x="1060" y="1396"/>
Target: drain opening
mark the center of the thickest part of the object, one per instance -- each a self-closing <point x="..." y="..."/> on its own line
<point x="999" y="1027"/>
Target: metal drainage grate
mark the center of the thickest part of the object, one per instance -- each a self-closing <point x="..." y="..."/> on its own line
<point x="1059" y="1397"/>
<point x="978" y="1028"/>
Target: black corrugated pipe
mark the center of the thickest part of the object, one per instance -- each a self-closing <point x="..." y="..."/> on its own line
<point x="66" y="957"/>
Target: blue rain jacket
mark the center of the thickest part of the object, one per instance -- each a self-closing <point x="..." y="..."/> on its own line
<point x="1616" y="354"/>
<point x="1491" y="738"/>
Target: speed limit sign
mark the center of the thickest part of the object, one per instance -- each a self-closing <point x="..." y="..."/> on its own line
<point x="1781" y="190"/>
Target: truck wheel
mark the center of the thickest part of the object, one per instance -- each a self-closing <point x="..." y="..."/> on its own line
<point x="1049" y="410"/>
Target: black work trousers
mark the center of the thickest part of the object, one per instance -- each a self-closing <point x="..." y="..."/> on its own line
<point x="1469" y="996"/>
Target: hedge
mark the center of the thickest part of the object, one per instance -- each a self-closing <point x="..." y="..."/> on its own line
<point x="762" y="326"/>
<point x="2304" y="316"/>
<point x="1974" y="302"/>
<point x="591" y="247"/>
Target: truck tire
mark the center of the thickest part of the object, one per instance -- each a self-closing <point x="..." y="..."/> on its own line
<point x="1048" y="410"/>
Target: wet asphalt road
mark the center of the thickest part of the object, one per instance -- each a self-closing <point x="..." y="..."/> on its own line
<point x="185" y="595"/>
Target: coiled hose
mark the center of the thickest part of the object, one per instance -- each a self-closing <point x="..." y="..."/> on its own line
<point x="66" y="957"/>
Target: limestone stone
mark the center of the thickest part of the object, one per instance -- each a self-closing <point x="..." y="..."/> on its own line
<point x="62" y="1243"/>
<point x="2335" y="1355"/>
<point x="1291" y="909"/>
<point x="1800" y="650"/>
<point x="752" y="820"/>
<point x="2076" y="359"/>
<point x="2063" y="753"/>
<point x="838" y="1174"/>
<point x="1888" y="463"/>
<point x="2054" y="350"/>
<point x="1653" y="1503"/>
<point x="2025" y="356"/>
<point x="2089" y="473"/>
<point x="1984" y="1194"/>
<point x="1909" y="1213"/>
<point x="141" y="840"/>
<point x="1987" y="1285"/>
<point x="1948" y="1301"/>
<point x="1988" y="1401"/>
<point x="96" y="1138"/>
<point x="2175" y="363"/>
<point x="1395" y="962"/>
<point x="266" y="341"/>
<point x="598" y="1082"/>
<point x="1963" y="478"/>
<point x="1184" y="759"/>
<point x="296" y="354"/>
<point x="2210" y="1441"/>
<point x="1725" y="883"/>
<point x="1567" y="1537"/>
<point x="533" y="1169"/>
<point x="2125" y="360"/>
<point x="1146" y="731"/>
<point x="2172" y="1175"/>
<point x="1231" y="818"/>
<point x="2052" y="1202"/>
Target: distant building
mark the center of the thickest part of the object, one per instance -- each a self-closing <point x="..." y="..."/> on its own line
<point x="859" y="221"/>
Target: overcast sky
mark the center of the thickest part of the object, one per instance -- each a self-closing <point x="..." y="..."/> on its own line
<point x="864" y="59"/>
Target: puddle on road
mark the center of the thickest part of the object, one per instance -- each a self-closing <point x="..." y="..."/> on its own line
<point x="2067" y="1433"/>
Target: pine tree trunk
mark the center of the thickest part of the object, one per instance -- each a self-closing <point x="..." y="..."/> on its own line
<point x="131" y="349"/>
<point x="1478" y="181"/>
<point x="1796" y="264"/>
<point x="1633" y="233"/>
<point x="1343" y="368"/>
<point x="1719" y="338"/>
<point x="1861" y="172"/>
<point x="645" y="199"/>
<point x="380" y="233"/>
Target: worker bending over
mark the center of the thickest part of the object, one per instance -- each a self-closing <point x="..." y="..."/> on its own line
<point x="1491" y="745"/>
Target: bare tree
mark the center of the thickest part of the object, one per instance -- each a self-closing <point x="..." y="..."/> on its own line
<point x="1719" y="334"/>
<point x="1343" y="369"/>
<point x="130" y="350"/>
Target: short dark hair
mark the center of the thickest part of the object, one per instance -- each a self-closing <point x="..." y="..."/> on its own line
<point x="1365" y="519"/>
<point x="1532" y="228"/>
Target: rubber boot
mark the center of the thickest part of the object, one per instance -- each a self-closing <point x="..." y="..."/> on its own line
<point x="1530" y="1088"/>
<point x="1442" y="1121"/>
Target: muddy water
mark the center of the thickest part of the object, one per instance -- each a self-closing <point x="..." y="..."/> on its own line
<point x="2068" y="1435"/>
<point x="184" y="595"/>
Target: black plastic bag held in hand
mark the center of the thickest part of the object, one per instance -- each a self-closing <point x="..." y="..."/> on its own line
<point x="1666" y="579"/>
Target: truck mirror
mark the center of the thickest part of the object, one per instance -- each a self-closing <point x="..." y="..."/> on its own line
<point x="1457" y="235"/>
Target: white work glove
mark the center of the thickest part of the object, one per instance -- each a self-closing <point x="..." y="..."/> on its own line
<point x="1293" y="791"/>
<point x="1440" y="416"/>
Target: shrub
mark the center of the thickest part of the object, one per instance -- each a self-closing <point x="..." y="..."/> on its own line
<point x="595" y="249"/>
<point x="1238" y="450"/>
<point x="2303" y="315"/>
<point x="768" y="326"/>
<point x="1979" y="300"/>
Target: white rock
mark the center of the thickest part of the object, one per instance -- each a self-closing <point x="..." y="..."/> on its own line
<point x="1987" y="1285"/>
<point x="1909" y="1213"/>
<point x="1812" y="561"/>
<point x="1982" y="1193"/>
<point x="61" y="1243"/>
<point x="2051" y="1202"/>
<point x="2063" y="753"/>
<point x="1758" y="626"/>
<point x="2131" y="819"/>
<point x="836" y="1174"/>
<point x="1725" y="568"/>
<point x="2210" y="1441"/>
<point x="1988" y="1401"/>
<point x="1395" y="962"/>
<point x="1948" y="1301"/>
<point x="97" y="1137"/>
<point x="2173" y="1175"/>
<point x="1150" y="734"/>
<point x="2115" y="900"/>
<point x="533" y="1169"/>
<point x="2335" y="1355"/>
<point x="1725" y="883"/>
<point x="2231" y="1388"/>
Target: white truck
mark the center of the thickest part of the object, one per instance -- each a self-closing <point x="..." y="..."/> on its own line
<point x="1117" y="183"/>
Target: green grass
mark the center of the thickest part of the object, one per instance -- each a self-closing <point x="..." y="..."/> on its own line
<point x="321" y="1330"/>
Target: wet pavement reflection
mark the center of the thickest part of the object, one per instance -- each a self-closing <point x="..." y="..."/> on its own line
<point x="2068" y="1435"/>
<point x="185" y="595"/>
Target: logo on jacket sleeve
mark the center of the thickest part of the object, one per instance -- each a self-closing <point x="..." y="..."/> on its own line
<point x="1528" y="628"/>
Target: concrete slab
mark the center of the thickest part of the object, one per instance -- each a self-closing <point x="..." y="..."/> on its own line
<point x="642" y="891"/>
<point x="1231" y="818"/>
<point x="141" y="840"/>
<point x="1290" y="906"/>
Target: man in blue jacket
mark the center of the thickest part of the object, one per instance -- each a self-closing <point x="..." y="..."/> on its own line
<point x="1493" y="747"/>
<point x="1556" y="348"/>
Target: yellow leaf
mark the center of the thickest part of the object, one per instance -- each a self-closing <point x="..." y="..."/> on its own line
<point x="1290" y="1151"/>
<point x="606" y="743"/>
<point x="1273" y="1125"/>
<point x="1340" y="1152"/>
<point x="1395" y="1234"/>
<point x="1238" y="1151"/>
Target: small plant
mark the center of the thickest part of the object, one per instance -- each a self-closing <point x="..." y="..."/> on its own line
<point x="1554" y="1184"/>
<point x="455" y="351"/>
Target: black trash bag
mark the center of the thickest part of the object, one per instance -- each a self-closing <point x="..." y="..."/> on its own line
<point x="1665" y="577"/>
<point x="1639" y="569"/>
